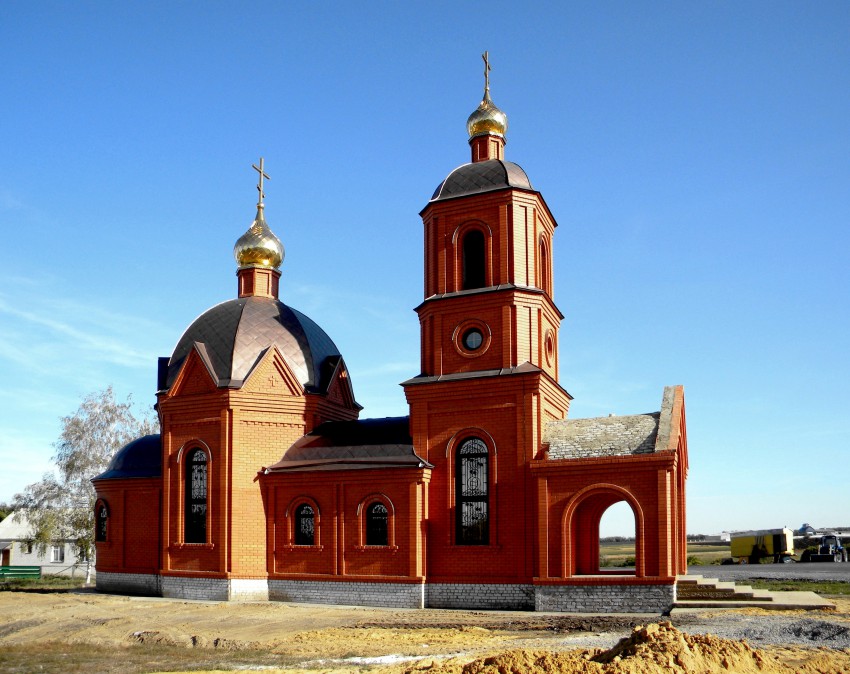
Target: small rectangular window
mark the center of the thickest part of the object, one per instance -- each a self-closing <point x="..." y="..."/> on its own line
<point x="57" y="554"/>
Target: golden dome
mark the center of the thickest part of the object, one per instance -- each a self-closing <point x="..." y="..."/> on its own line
<point x="259" y="247"/>
<point x="487" y="119"/>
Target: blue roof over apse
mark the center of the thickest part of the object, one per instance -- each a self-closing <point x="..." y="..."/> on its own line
<point x="140" y="458"/>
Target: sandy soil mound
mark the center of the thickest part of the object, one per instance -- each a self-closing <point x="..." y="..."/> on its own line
<point x="652" y="649"/>
<point x="661" y="647"/>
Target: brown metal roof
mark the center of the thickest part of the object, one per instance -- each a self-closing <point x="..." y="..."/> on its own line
<point x="353" y="445"/>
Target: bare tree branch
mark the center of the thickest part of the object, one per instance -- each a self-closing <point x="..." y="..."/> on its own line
<point x="61" y="506"/>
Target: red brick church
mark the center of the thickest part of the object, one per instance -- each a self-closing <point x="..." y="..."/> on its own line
<point x="265" y="484"/>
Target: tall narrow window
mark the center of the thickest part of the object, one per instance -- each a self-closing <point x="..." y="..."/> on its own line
<point x="196" y="497"/>
<point x="101" y="522"/>
<point x="376" y="525"/>
<point x="545" y="281"/>
<point x="305" y="525"/>
<point x="472" y="489"/>
<point x="474" y="267"/>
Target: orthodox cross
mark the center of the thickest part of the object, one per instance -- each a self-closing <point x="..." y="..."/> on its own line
<point x="263" y="174"/>
<point x="486" y="57"/>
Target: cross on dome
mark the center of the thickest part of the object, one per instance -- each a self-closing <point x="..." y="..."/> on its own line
<point x="263" y="174"/>
<point x="258" y="247"/>
<point x="487" y="119"/>
<point x="486" y="57"/>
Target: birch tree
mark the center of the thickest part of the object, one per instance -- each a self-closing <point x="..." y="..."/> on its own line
<point x="60" y="507"/>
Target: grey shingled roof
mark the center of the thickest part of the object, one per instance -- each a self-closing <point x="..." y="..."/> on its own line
<point x="235" y="334"/>
<point x="482" y="176"/>
<point x="350" y="445"/>
<point x="602" y="436"/>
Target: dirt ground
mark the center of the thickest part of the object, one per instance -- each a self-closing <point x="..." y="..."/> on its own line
<point x="89" y="632"/>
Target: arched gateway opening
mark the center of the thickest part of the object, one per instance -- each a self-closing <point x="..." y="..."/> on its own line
<point x="583" y="518"/>
<point x="617" y="539"/>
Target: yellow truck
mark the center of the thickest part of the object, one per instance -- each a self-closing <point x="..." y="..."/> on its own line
<point x="753" y="546"/>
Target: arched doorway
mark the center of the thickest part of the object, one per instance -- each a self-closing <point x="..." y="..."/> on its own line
<point x="582" y="525"/>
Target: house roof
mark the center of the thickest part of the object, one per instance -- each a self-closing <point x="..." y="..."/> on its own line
<point x="13" y="529"/>
<point x="353" y="445"/>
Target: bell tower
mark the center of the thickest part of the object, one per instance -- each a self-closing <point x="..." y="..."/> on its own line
<point x="489" y="356"/>
<point x="488" y="263"/>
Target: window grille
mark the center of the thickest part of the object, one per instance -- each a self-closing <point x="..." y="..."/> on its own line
<point x="196" y="497"/>
<point x="472" y="489"/>
<point x="305" y="525"/>
<point x="377" y="532"/>
<point x="101" y="522"/>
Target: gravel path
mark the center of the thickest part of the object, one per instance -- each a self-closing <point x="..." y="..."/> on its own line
<point x="766" y="629"/>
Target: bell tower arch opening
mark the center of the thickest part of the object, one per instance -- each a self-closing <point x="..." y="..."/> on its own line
<point x="473" y="260"/>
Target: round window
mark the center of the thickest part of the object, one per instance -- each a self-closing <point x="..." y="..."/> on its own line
<point x="472" y="339"/>
<point x="550" y="347"/>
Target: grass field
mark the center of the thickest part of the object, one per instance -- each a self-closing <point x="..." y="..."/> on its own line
<point x="44" y="584"/>
<point x="699" y="554"/>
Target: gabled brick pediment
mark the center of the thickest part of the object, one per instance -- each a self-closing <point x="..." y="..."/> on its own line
<point x="272" y="376"/>
<point x="195" y="376"/>
<point x="340" y="390"/>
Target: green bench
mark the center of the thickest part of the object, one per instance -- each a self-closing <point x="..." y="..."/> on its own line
<point x="20" y="572"/>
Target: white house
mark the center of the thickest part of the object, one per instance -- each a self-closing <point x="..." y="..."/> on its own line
<point x="60" y="558"/>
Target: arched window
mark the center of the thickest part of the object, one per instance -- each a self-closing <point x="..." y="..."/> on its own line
<point x="101" y="519"/>
<point x="472" y="489"/>
<point x="545" y="268"/>
<point x="474" y="260"/>
<point x="196" y="497"/>
<point x="377" y="532"/>
<point x="305" y="525"/>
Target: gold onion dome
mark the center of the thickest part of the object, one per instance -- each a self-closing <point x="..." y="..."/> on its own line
<point x="487" y="119"/>
<point x="258" y="247"/>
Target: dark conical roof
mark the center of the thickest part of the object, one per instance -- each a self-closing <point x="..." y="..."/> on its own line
<point x="482" y="176"/>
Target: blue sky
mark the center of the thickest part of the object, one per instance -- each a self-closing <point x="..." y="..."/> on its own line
<point x="694" y="154"/>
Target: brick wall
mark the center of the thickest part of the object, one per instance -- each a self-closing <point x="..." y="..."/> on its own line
<point x="480" y="596"/>
<point x="644" y="598"/>
<point x="211" y="589"/>
<point x="605" y="598"/>
<point x="146" y="584"/>
<point x="398" y="595"/>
